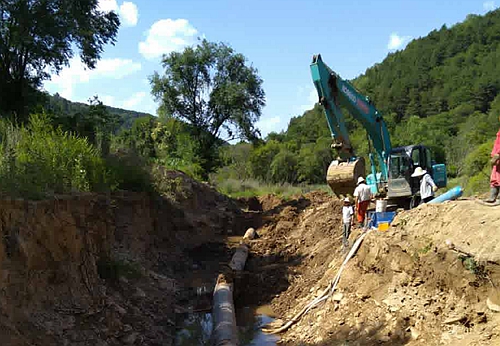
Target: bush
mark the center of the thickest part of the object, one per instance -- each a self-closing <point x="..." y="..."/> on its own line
<point x="38" y="160"/>
<point x="128" y="171"/>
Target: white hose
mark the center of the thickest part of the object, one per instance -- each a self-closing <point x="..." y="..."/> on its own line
<point x="325" y="294"/>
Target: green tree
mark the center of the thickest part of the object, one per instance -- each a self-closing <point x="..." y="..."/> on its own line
<point x="210" y="87"/>
<point x="37" y="36"/>
<point x="93" y="122"/>
<point x="283" y="168"/>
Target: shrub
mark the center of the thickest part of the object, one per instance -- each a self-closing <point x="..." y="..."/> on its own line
<point x="39" y="161"/>
<point x="128" y="171"/>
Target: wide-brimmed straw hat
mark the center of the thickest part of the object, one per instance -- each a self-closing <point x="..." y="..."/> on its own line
<point x="418" y="172"/>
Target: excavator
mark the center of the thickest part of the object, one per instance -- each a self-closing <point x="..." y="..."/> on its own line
<point x="392" y="180"/>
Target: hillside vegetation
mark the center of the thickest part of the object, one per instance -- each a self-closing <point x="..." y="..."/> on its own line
<point x="59" y="105"/>
<point x="441" y="91"/>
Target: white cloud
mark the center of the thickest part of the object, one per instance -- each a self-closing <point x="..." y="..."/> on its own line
<point x="134" y="100"/>
<point x="127" y="11"/>
<point x="107" y="5"/>
<point x="77" y="73"/>
<point x="309" y="95"/>
<point x="107" y="100"/>
<point x="167" y="35"/>
<point x="489" y="6"/>
<point x="268" y="125"/>
<point x="397" y="42"/>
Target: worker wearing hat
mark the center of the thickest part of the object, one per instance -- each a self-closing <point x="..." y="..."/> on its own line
<point x="347" y="220"/>
<point x="427" y="185"/>
<point x="362" y="195"/>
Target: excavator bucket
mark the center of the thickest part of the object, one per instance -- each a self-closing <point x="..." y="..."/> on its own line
<point x="343" y="176"/>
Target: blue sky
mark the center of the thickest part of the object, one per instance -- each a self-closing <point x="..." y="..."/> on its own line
<point x="279" y="37"/>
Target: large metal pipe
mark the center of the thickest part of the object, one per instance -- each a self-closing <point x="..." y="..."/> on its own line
<point x="452" y="194"/>
<point x="225" y="332"/>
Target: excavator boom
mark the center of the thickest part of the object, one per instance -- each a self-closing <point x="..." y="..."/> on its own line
<point x="334" y="94"/>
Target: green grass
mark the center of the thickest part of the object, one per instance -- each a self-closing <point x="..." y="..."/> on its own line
<point x="250" y="188"/>
<point x="475" y="185"/>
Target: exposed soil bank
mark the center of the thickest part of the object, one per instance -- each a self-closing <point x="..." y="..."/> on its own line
<point x="404" y="286"/>
<point x="107" y="269"/>
<point x="120" y="269"/>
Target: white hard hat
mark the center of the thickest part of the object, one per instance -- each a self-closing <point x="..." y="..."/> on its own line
<point x="360" y="180"/>
<point x="418" y="172"/>
<point x="347" y="199"/>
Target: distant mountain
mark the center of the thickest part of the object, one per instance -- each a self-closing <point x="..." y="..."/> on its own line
<point x="64" y="106"/>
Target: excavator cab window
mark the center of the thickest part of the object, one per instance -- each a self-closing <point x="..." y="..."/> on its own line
<point x="421" y="156"/>
<point x="399" y="166"/>
<point x="416" y="157"/>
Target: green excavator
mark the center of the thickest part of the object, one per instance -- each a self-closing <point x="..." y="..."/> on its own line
<point x="390" y="168"/>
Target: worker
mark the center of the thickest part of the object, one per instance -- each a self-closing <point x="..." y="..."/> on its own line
<point x="427" y="185"/>
<point x="347" y="220"/>
<point x="495" y="171"/>
<point x="362" y="195"/>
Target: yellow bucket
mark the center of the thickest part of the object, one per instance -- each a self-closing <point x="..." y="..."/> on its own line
<point x="384" y="226"/>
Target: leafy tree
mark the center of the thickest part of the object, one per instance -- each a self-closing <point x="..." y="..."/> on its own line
<point x="37" y="36"/>
<point x="210" y="87"/>
<point x="283" y="168"/>
<point x="93" y="122"/>
<point x="261" y="160"/>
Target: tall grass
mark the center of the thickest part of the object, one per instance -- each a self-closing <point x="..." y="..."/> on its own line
<point x="249" y="188"/>
<point x="38" y="161"/>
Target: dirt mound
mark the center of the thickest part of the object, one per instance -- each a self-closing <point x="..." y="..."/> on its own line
<point x="269" y="202"/>
<point x="469" y="225"/>
<point x="405" y="286"/>
<point x="209" y="212"/>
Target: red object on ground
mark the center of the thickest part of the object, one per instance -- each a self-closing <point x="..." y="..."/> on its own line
<point x="361" y="210"/>
<point x="495" y="171"/>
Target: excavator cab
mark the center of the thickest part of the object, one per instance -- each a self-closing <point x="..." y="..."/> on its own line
<point x="402" y="163"/>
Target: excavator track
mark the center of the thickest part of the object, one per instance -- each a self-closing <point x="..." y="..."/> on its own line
<point x="343" y="176"/>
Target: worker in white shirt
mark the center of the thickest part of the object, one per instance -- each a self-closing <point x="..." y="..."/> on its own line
<point x="427" y="185"/>
<point x="362" y="195"/>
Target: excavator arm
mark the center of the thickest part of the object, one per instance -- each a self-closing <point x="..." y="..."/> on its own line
<point x="334" y="93"/>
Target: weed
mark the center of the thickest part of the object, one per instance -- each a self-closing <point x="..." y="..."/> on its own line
<point x="37" y="161"/>
<point x="425" y="249"/>
<point x="475" y="268"/>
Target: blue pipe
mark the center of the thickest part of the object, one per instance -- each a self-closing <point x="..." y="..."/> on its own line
<point x="448" y="196"/>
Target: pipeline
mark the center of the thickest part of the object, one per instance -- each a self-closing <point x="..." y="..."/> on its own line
<point x="225" y="332"/>
<point x="452" y="194"/>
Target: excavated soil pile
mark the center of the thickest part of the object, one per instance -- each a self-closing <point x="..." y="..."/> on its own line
<point x="429" y="280"/>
